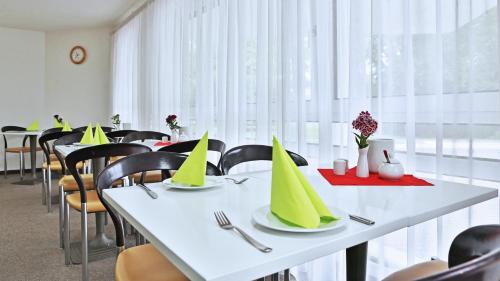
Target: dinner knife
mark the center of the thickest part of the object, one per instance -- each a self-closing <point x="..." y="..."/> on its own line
<point x="148" y="190"/>
<point x="361" y="220"/>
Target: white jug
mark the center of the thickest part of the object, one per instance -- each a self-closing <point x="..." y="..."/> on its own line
<point x="376" y="152"/>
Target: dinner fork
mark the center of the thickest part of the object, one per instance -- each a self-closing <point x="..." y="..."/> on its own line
<point x="237" y="181"/>
<point x="224" y="223"/>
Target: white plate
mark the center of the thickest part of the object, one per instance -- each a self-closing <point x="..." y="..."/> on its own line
<point x="209" y="183"/>
<point x="81" y="144"/>
<point x="264" y="217"/>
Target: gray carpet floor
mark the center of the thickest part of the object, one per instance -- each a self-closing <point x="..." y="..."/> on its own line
<point x="29" y="241"/>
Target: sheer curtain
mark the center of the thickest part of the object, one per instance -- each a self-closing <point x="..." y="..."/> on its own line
<point x="303" y="69"/>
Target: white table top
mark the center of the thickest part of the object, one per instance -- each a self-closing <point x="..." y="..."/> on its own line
<point x="67" y="149"/>
<point x="22" y="133"/>
<point x="181" y="224"/>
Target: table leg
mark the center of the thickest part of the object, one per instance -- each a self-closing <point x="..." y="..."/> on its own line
<point x="33" y="156"/>
<point x="356" y="258"/>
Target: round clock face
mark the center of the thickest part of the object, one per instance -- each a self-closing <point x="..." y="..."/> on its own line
<point x="78" y="55"/>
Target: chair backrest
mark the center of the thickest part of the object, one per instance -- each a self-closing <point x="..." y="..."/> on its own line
<point x="13" y="129"/>
<point x="84" y="128"/>
<point x="253" y="152"/>
<point x="144" y="135"/>
<point x="484" y="268"/>
<point x="474" y="255"/>
<point x="46" y="138"/>
<point x="138" y="163"/>
<point x="119" y="134"/>
<point x="99" y="151"/>
<point x="51" y="130"/>
<point x="65" y="140"/>
<point x="188" y="146"/>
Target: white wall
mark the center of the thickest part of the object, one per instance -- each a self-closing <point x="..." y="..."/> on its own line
<point x="80" y="93"/>
<point x="22" y="81"/>
<point x="37" y="79"/>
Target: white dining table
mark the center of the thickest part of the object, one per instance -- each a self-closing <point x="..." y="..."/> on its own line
<point x="181" y="224"/>
<point x="33" y="136"/>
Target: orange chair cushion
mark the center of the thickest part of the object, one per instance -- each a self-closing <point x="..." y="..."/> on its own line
<point x="20" y="149"/>
<point x="94" y="204"/>
<point x="151" y="176"/>
<point x="145" y="263"/>
<point x="69" y="182"/>
<point x="418" y="271"/>
<point x="56" y="166"/>
<point x="53" y="157"/>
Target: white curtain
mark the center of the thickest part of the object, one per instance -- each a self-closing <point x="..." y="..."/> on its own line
<point x="303" y="69"/>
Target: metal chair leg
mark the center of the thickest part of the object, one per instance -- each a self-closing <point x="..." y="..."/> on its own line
<point x="67" y="241"/>
<point x="44" y="186"/>
<point x="85" y="246"/>
<point x="21" y="164"/>
<point x="5" y="164"/>
<point x="61" y="216"/>
<point x="49" y="190"/>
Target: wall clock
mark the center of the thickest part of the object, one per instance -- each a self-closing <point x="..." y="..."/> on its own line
<point x="78" y="55"/>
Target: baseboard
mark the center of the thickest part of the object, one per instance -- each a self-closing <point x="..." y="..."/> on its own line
<point x="26" y="171"/>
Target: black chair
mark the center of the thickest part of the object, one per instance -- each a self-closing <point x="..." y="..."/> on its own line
<point x="253" y="152"/>
<point x="50" y="164"/>
<point x="51" y="130"/>
<point x="87" y="201"/>
<point x="158" y="267"/>
<point x="188" y="146"/>
<point x="144" y="135"/>
<point x="84" y="128"/>
<point x="21" y="150"/>
<point x="67" y="183"/>
<point x="118" y="135"/>
<point x="474" y="255"/>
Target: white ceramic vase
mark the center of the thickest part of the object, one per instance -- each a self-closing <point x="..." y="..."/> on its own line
<point x="376" y="152"/>
<point x="362" y="167"/>
<point x="174" y="135"/>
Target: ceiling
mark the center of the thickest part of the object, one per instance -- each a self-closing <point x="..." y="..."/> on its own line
<point x="51" y="15"/>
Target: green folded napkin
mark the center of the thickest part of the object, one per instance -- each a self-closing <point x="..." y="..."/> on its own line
<point x="66" y="127"/>
<point x="57" y="124"/>
<point x="99" y="136"/>
<point x="88" y="137"/>
<point x="293" y="200"/>
<point x="33" y="126"/>
<point x="193" y="170"/>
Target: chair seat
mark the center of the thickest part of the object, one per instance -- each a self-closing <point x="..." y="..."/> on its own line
<point x="20" y="149"/>
<point x="151" y="176"/>
<point x="418" y="271"/>
<point x="145" y="263"/>
<point x="53" y="157"/>
<point x="56" y="166"/>
<point x="69" y="183"/>
<point x="94" y="204"/>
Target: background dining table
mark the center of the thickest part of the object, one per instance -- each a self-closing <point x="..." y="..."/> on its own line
<point x="181" y="224"/>
<point x="33" y="136"/>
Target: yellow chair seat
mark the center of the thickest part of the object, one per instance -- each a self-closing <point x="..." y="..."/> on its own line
<point x="53" y="157"/>
<point x="145" y="263"/>
<point x="151" y="176"/>
<point x="418" y="271"/>
<point x="56" y="166"/>
<point x="94" y="205"/>
<point x="69" y="182"/>
<point x="20" y="149"/>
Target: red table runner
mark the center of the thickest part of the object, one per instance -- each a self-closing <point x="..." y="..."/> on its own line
<point x="164" y="143"/>
<point x="373" y="179"/>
